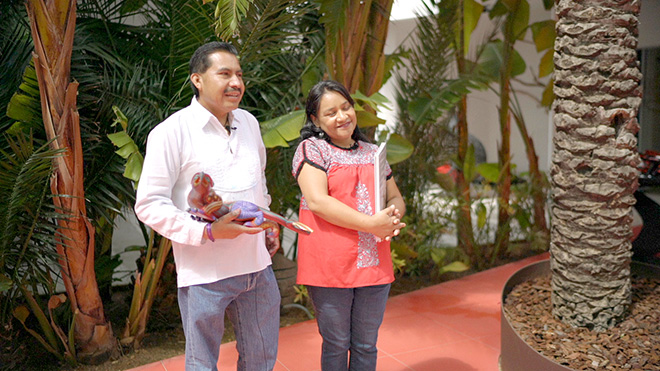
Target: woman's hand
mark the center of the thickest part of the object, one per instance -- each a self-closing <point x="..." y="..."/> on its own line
<point x="387" y="223"/>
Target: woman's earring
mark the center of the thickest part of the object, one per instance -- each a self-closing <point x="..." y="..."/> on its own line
<point x="322" y="134"/>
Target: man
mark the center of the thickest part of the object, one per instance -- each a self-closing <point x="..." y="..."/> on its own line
<point x="222" y="265"/>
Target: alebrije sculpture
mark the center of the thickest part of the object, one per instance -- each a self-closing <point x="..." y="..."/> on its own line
<point x="206" y="205"/>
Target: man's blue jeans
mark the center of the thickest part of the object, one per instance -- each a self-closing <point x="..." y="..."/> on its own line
<point x="252" y="302"/>
<point x="348" y="320"/>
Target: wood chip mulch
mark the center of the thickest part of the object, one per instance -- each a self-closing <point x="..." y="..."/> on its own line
<point x="633" y="344"/>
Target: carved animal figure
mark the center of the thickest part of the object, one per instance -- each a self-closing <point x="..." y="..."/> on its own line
<point x="202" y="192"/>
<point x="206" y="205"/>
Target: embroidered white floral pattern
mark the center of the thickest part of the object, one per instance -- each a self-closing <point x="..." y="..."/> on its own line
<point x="367" y="245"/>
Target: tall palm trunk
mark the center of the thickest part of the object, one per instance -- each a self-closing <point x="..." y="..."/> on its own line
<point x="594" y="170"/>
<point x="52" y="23"/>
<point x="354" y="53"/>
<point x="464" y="232"/>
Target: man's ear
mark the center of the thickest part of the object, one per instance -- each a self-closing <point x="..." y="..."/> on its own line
<point x="195" y="78"/>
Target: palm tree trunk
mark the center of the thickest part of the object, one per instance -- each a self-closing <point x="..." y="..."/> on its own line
<point x="52" y="23"/>
<point x="464" y="231"/>
<point x="539" y="184"/>
<point x="594" y="171"/>
<point x="354" y="53"/>
<point x="504" y="185"/>
<point x="373" y="58"/>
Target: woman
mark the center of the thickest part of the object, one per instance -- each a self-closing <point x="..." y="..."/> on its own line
<point x="345" y="263"/>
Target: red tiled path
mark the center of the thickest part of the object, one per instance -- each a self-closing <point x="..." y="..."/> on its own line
<point x="451" y="326"/>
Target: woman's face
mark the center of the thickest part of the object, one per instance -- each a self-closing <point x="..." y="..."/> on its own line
<point x="337" y="118"/>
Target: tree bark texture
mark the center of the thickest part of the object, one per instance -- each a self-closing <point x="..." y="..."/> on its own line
<point x="354" y="54"/>
<point x="52" y="23"/>
<point x="594" y="171"/>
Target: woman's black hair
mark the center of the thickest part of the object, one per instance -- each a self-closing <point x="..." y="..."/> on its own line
<point x="312" y="107"/>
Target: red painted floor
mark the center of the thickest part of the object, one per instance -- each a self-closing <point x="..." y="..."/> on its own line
<point x="451" y="326"/>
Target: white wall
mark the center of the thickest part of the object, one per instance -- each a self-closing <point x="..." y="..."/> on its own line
<point x="127" y="233"/>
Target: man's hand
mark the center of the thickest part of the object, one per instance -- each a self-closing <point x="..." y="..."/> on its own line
<point x="224" y="227"/>
<point x="273" y="242"/>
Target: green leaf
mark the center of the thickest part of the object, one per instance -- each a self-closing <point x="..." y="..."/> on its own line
<point x="490" y="171"/>
<point x="5" y="283"/>
<point x="21" y="313"/>
<point x="547" y="64"/>
<point x="523" y="218"/>
<point x="133" y="169"/>
<point x="472" y="12"/>
<point x="469" y="165"/>
<point x="490" y="61"/>
<point x="456" y="266"/>
<point x="499" y="9"/>
<point x="482" y="215"/>
<point x="446" y="181"/>
<point x="521" y="19"/>
<point x="429" y="107"/>
<point x="375" y="101"/>
<point x="25" y="104"/>
<point x="418" y="107"/>
<point x="398" y="149"/>
<point x="544" y="34"/>
<point x="548" y="4"/>
<point x="129" y="6"/>
<point x="127" y="150"/>
<point x="228" y="15"/>
<point x="120" y="139"/>
<point x="22" y="108"/>
<point x="548" y="94"/>
<point x="438" y="255"/>
<point x="120" y="119"/>
<point x="367" y="119"/>
<point x="279" y="131"/>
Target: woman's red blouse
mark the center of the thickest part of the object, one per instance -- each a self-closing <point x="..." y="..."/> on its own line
<point x="334" y="256"/>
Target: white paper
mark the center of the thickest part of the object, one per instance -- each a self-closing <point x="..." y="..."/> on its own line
<point x="380" y="177"/>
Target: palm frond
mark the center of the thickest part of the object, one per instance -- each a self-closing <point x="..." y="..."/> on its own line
<point x="333" y="17"/>
<point x="278" y="41"/>
<point x="15" y="54"/>
<point x="27" y="218"/>
<point x="228" y="15"/>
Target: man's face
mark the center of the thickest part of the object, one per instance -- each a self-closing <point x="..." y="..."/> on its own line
<point x="221" y="86"/>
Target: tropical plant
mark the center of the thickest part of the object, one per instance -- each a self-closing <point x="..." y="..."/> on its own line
<point x="431" y="99"/>
<point x="594" y="171"/>
<point x="486" y="67"/>
<point x="514" y="18"/>
<point x="27" y="225"/>
<point x="53" y="27"/>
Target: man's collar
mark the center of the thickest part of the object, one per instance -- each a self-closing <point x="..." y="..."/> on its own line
<point x="206" y="116"/>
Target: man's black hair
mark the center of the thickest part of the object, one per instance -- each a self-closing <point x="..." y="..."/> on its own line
<point x="199" y="62"/>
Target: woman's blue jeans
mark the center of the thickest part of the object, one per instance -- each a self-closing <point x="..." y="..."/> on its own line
<point x="252" y="302"/>
<point x="348" y="321"/>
